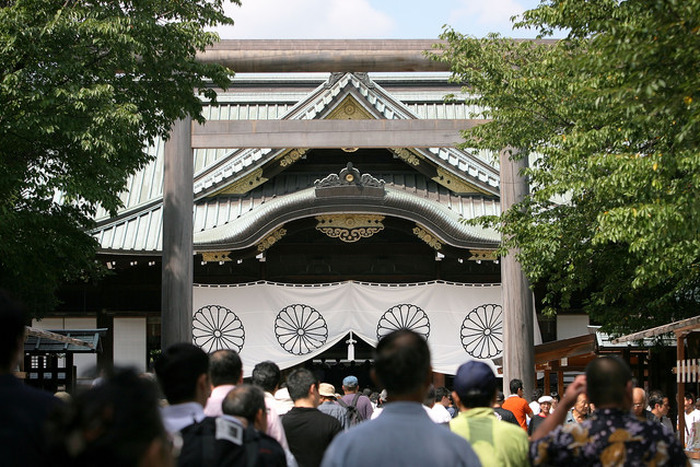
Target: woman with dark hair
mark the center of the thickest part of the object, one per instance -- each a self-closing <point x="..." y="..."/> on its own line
<point x="116" y="423"/>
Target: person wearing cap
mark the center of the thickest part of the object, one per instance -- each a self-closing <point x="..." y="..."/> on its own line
<point x="353" y="397"/>
<point x="404" y="433"/>
<point x="329" y="406"/>
<point x="497" y="443"/>
<point x="545" y="403"/>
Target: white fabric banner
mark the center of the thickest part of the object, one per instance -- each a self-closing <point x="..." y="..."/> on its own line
<point x="290" y="324"/>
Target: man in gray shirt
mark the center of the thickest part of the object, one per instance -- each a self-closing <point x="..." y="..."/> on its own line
<point x="330" y="406"/>
<point x="400" y="435"/>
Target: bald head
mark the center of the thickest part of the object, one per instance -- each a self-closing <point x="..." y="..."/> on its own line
<point x="609" y="383"/>
<point x="639" y="401"/>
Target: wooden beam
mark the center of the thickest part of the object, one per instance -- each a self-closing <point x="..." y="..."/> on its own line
<point x="683" y="326"/>
<point x="363" y="55"/>
<point x="335" y="55"/>
<point x="217" y="134"/>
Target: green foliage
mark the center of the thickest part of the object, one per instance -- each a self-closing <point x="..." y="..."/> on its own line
<point x="84" y="86"/>
<point x="611" y="113"/>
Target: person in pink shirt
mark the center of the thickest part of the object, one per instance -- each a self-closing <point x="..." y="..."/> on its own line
<point x="225" y="371"/>
<point x="267" y="375"/>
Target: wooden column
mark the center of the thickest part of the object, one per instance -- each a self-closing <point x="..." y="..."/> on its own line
<point x="178" y="200"/>
<point x="518" y="336"/>
<point x="680" y="398"/>
<point x="438" y="379"/>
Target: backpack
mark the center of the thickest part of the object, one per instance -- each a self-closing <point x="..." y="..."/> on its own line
<point x="353" y="414"/>
<point x="216" y="441"/>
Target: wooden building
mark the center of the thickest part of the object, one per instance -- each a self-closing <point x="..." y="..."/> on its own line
<point x="393" y="218"/>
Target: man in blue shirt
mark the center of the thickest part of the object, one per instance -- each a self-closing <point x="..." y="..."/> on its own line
<point x="403" y="434"/>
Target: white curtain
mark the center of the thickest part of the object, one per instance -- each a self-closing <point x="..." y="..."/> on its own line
<point x="290" y="324"/>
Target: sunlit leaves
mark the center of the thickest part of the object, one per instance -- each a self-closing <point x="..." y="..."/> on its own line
<point x="84" y="87"/>
<point x="611" y="112"/>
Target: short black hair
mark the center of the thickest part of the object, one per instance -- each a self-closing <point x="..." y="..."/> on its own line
<point x="606" y="380"/>
<point x="225" y="367"/>
<point x="441" y="392"/>
<point x="656" y="397"/>
<point x="11" y="329"/>
<point x="267" y="375"/>
<point x="245" y="400"/>
<point x="114" y="423"/>
<point x="689" y="395"/>
<point x="515" y="384"/>
<point x="536" y="394"/>
<point x="402" y="362"/>
<point x="298" y="383"/>
<point x="178" y="368"/>
<point x="430" y="397"/>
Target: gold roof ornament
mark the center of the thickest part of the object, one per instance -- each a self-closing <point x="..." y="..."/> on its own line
<point x="350" y="228"/>
<point x="271" y="239"/>
<point x="427" y="237"/>
<point x="214" y="256"/>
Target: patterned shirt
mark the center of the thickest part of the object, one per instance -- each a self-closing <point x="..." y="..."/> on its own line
<point x="610" y="437"/>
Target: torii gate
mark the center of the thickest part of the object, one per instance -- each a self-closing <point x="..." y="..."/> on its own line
<point x="277" y="56"/>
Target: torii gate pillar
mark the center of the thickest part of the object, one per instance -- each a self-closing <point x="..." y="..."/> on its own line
<point x="178" y="268"/>
<point x="518" y="330"/>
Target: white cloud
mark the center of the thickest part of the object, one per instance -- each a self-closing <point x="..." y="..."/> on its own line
<point x="485" y="15"/>
<point x="306" y="19"/>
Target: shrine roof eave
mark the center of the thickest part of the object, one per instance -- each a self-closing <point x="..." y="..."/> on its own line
<point x="445" y="225"/>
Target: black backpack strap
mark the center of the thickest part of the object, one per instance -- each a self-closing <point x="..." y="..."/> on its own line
<point x="354" y="401"/>
<point x="208" y="449"/>
<point x="252" y="447"/>
<point x="342" y="403"/>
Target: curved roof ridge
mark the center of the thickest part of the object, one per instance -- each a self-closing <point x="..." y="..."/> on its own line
<point x="254" y="225"/>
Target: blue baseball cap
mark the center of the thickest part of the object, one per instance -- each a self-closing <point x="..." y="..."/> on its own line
<point x="350" y="381"/>
<point x="475" y="378"/>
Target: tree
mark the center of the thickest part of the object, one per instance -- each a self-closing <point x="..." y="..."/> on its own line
<point x="85" y="86"/>
<point x="609" y="116"/>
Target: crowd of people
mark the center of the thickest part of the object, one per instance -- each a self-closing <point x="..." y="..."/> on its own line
<point x="197" y="410"/>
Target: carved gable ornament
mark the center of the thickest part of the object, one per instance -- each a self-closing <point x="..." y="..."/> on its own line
<point x="349" y="182"/>
<point x="350" y="228"/>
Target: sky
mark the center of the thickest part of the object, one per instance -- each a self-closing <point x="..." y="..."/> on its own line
<point x="372" y="19"/>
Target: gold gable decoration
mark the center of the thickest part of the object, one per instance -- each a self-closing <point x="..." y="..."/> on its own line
<point x="427" y="237"/>
<point x="271" y="239"/>
<point x="292" y="156"/>
<point x="407" y="156"/>
<point x="350" y="228"/>
<point x="214" y="256"/>
<point x="483" y="255"/>
<point x="454" y="183"/>
<point x="243" y="185"/>
<point x="349" y="109"/>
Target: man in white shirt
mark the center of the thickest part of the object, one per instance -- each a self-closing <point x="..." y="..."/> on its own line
<point x="183" y="374"/>
<point x="692" y="416"/>
<point x="439" y="409"/>
<point x="225" y="371"/>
